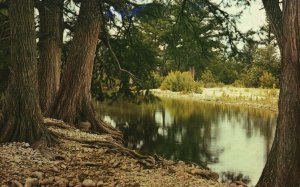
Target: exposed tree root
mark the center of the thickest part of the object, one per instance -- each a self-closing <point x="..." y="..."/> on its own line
<point x="146" y="161"/>
<point x="31" y="131"/>
<point x="56" y="123"/>
<point x="101" y="126"/>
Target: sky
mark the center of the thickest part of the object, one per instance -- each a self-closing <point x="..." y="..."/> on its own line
<point x="253" y="17"/>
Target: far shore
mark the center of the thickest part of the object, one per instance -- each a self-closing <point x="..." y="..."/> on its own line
<point x="259" y="98"/>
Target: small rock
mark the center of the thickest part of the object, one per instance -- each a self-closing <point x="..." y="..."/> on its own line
<point x="136" y="185"/>
<point x="55" y="169"/>
<point x="46" y="181"/>
<point x="100" y="183"/>
<point x="171" y="170"/>
<point x="26" y="145"/>
<point x="240" y="183"/>
<point x="61" y="182"/>
<point x="4" y="185"/>
<point x="88" y="183"/>
<point x="72" y="183"/>
<point x="116" y="164"/>
<point x="85" y="126"/>
<point x="31" y="182"/>
<point x="17" y="184"/>
<point x="63" y="166"/>
<point x="37" y="174"/>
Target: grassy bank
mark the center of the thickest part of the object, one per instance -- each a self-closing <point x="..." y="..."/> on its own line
<point x="250" y="97"/>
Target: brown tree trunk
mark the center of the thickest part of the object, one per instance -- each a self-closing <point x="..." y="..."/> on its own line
<point x="50" y="42"/>
<point x="22" y="119"/>
<point x="283" y="164"/>
<point x="73" y="103"/>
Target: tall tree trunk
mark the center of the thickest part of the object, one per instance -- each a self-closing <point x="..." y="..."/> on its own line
<point x="22" y="119"/>
<point x="73" y="103"/>
<point x="50" y="42"/>
<point x="283" y="164"/>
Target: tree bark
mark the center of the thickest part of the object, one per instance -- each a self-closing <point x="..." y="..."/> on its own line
<point x="73" y="103"/>
<point x="22" y="119"/>
<point x="50" y="42"/>
<point x="283" y="164"/>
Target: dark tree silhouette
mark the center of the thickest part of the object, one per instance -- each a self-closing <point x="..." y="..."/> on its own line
<point x="283" y="164"/>
<point x="73" y="103"/>
<point x="50" y="42"/>
<point x="21" y="118"/>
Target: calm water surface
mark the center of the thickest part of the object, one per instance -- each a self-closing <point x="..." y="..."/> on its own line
<point x="232" y="141"/>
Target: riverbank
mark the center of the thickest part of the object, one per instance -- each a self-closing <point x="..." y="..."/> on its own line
<point x="248" y="97"/>
<point x="84" y="159"/>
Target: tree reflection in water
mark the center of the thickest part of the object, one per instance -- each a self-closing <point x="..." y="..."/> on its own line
<point x="196" y="132"/>
<point x="229" y="177"/>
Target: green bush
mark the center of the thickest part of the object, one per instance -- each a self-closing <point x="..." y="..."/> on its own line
<point x="209" y="80"/>
<point x="267" y="80"/>
<point x="177" y="81"/>
<point x="208" y="77"/>
<point x="238" y="83"/>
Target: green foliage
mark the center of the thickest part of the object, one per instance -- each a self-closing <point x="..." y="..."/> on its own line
<point x="267" y="80"/>
<point x="208" y="77"/>
<point x="238" y="83"/>
<point x="265" y="59"/>
<point x="177" y="81"/>
<point x="156" y="80"/>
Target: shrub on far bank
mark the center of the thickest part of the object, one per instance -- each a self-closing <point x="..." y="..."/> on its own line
<point x="209" y="80"/>
<point x="267" y="80"/>
<point x="238" y="83"/>
<point x="180" y="82"/>
<point x="208" y="77"/>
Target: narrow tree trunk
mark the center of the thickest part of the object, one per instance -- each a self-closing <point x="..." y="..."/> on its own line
<point x="283" y="164"/>
<point x="50" y="42"/>
<point x="73" y="103"/>
<point x="22" y="119"/>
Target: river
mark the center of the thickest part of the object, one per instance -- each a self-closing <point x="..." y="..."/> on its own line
<point x="232" y="141"/>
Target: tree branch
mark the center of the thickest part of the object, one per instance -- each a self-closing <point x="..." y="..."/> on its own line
<point x="274" y="14"/>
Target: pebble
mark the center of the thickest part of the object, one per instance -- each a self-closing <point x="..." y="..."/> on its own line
<point x="37" y="174"/>
<point x="61" y="182"/>
<point x="88" y="183"/>
<point x="55" y="169"/>
<point x="31" y="182"/>
<point x="46" y="181"/>
<point x="100" y="183"/>
<point x="72" y="183"/>
<point x="17" y="183"/>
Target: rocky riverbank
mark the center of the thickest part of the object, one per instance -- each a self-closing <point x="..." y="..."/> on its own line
<point x="74" y="162"/>
<point x="247" y="97"/>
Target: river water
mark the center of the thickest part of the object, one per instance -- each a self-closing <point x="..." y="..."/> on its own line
<point x="230" y="140"/>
